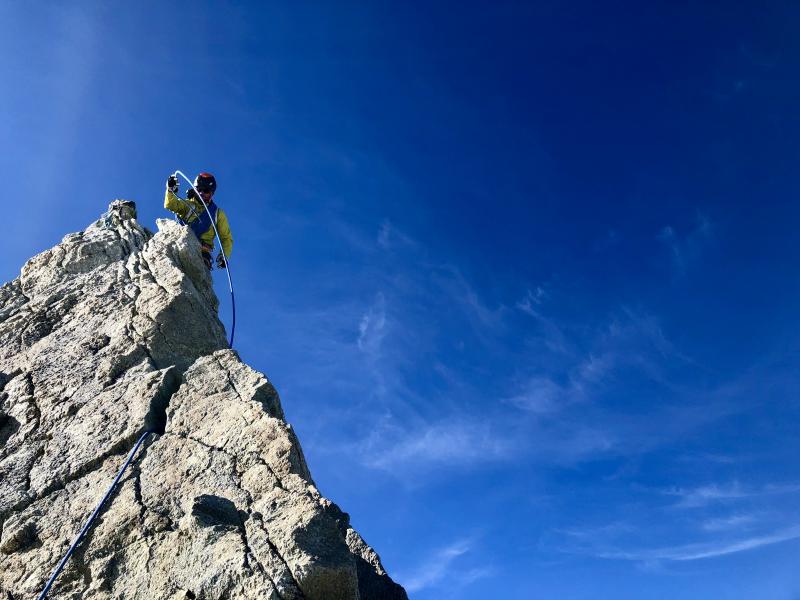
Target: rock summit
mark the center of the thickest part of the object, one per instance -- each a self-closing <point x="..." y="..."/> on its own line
<point x="112" y="333"/>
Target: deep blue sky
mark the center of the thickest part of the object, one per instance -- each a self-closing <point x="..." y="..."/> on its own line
<point x="524" y="275"/>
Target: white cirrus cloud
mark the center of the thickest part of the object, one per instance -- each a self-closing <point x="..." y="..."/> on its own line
<point x="698" y="551"/>
<point x="732" y="522"/>
<point x="441" y="565"/>
<point x="459" y="443"/>
<point x="686" y="249"/>
<point x="372" y="327"/>
<point x="714" y="492"/>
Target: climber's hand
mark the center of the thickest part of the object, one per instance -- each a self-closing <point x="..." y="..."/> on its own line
<point x="172" y="184"/>
<point x="221" y="263"/>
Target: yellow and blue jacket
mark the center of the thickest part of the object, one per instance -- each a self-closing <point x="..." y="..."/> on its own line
<point x="192" y="213"/>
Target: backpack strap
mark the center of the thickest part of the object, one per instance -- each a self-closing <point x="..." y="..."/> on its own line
<point x="203" y="222"/>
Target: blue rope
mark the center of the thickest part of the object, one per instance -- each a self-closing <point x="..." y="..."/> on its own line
<point x="219" y="241"/>
<point x="88" y="525"/>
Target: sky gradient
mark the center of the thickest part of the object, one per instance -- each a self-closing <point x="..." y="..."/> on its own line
<point x="523" y="274"/>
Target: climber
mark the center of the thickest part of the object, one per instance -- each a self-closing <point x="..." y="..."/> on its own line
<point x="191" y="212"/>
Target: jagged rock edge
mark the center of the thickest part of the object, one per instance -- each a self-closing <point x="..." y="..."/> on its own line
<point x="139" y="271"/>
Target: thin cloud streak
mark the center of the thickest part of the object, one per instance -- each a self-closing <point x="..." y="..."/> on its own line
<point x="407" y="435"/>
<point x="440" y="566"/>
<point x="390" y="238"/>
<point x="700" y="551"/>
<point x="372" y="327"/>
<point x="552" y="414"/>
<point x="629" y="339"/>
<point x="686" y="250"/>
<point x="733" y="522"/>
<point x="396" y="449"/>
<point x="711" y="493"/>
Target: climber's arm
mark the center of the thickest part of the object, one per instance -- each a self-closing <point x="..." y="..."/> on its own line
<point x="177" y="205"/>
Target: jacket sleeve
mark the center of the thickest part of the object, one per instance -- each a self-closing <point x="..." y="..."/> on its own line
<point x="224" y="229"/>
<point x="176" y="205"/>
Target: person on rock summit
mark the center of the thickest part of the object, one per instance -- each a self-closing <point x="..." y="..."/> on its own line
<point x="191" y="212"/>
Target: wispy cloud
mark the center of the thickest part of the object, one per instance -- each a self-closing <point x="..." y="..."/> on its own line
<point x="440" y="566"/>
<point x="630" y="339"/>
<point x="621" y="540"/>
<point x="551" y="332"/>
<point x="732" y="522"/>
<point x="372" y="327"/>
<point x="563" y="403"/>
<point x="390" y="237"/>
<point x="686" y="249"/>
<point x="508" y="381"/>
<point x="712" y="493"/>
<point x="698" y="551"/>
<point x="487" y="321"/>
<point x="706" y="494"/>
<point x="609" y="530"/>
<point x="532" y="299"/>
<point x="541" y="395"/>
<point x="411" y="449"/>
<point x="397" y="448"/>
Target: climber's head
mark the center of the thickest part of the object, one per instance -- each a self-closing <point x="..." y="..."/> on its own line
<point x="206" y="185"/>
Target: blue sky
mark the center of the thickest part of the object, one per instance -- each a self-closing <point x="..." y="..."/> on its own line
<point x="524" y="276"/>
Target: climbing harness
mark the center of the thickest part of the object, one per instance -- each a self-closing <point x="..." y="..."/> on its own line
<point x="93" y="517"/>
<point x="213" y="219"/>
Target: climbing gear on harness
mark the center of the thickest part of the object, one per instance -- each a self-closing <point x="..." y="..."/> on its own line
<point x="222" y="250"/>
<point x="88" y="524"/>
<point x="205" y="182"/>
<point x="172" y="184"/>
<point x="221" y="262"/>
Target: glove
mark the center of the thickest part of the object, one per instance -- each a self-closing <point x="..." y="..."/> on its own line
<point x="172" y="184"/>
<point x="221" y="263"/>
<point x="207" y="250"/>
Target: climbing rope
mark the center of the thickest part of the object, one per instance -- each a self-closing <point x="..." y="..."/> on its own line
<point x="219" y="241"/>
<point x="92" y="518"/>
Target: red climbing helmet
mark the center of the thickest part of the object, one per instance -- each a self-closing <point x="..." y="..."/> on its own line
<point x="205" y="182"/>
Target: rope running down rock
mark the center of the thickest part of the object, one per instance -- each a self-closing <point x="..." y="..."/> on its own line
<point x="88" y="524"/>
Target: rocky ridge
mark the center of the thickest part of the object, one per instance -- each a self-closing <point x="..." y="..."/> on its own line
<point x="109" y="334"/>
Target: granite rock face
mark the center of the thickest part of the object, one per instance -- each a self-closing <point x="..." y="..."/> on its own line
<point x="109" y="334"/>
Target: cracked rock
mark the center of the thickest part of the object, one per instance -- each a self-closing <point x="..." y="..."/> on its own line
<point x="114" y="332"/>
